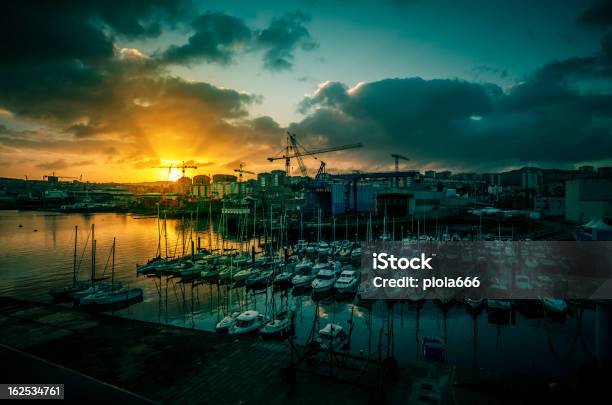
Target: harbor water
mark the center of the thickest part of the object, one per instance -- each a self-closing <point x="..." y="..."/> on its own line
<point x="37" y="253"/>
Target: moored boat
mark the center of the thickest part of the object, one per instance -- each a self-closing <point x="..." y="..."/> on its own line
<point x="278" y="328"/>
<point x="555" y="309"/>
<point x="348" y="282"/>
<point x="248" y="322"/>
<point x="224" y="325"/>
<point x="324" y="281"/>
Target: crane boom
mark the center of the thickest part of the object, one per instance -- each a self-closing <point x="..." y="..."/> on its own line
<point x="241" y="171"/>
<point x="296" y="148"/>
<point x="318" y="151"/>
<point x="397" y="159"/>
<point x="183" y="166"/>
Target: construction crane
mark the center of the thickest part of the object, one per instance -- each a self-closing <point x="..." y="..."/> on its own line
<point x="294" y="150"/>
<point x="46" y="176"/>
<point x="183" y="166"/>
<point x="241" y="170"/>
<point x="397" y="159"/>
<point x="321" y="170"/>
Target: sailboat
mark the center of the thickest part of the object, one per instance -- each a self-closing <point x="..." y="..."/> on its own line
<point x="248" y="322"/>
<point x="116" y="297"/>
<point x="224" y="325"/>
<point x="94" y="284"/>
<point x="279" y="327"/>
<point x="62" y="294"/>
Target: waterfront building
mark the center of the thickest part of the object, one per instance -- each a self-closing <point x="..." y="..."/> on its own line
<point x="221" y="185"/>
<point x="531" y="179"/>
<point x="587" y="199"/>
<point x="201" y="186"/>
<point x="549" y="206"/>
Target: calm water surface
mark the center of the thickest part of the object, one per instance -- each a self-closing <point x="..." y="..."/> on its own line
<point x="39" y="255"/>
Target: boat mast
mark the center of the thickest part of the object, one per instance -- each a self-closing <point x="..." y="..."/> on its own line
<point x="113" y="268"/>
<point x="74" y="258"/>
<point x="385" y="221"/>
<point x="93" y="256"/>
<point x="158" y="233"/>
<point x="166" y="232"/>
<point x="301" y="225"/>
<point x="334" y="227"/>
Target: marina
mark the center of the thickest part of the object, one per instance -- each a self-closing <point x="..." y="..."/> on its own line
<point x="476" y="334"/>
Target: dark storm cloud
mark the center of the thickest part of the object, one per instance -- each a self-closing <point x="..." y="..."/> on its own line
<point x="598" y="15"/>
<point x="215" y="39"/>
<point x="59" y="60"/>
<point x="266" y="125"/>
<point x="61" y="67"/>
<point x="549" y="119"/>
<point x="282" y="38"/>
<point x="59" y="30"/>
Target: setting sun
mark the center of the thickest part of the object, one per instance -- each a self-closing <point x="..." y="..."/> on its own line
<point x="174" y="175"/>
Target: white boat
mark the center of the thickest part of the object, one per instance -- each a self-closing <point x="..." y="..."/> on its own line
<point x="116" y="296"/>
<point x="305" y="263"/>
<point x="119" y="297"/>
<point x="242" y="260"/>
<point x="243" y="274"/>
<point x="300" y="246"/>
<point x="224" y="325"/>
<point x="555" y="304"/>
<point x="311" y="248"/>
<point x="324" y="281"/>
<point x="323" y="248"/>
<point x="189" y="269"/>
<point x="247" y="322"/>
<point x="499" y="305"/>
<point x="331" y="337"/>
<point x="303" y="277"/>
<point x="555" y="308"/>
<point x="259" y="279"/>
<point x="344" y="253"/>
<point x="155" y="265"/>
<point x="321" y="266"/>
<point x="174" y="268"/>
<point x="277" y="328"/>
<point x="283" y="279"/>
<point x="348" y="282"/>
<point x="96" y="288"/>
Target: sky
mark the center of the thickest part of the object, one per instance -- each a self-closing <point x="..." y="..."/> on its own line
<point x="110" y="90"/>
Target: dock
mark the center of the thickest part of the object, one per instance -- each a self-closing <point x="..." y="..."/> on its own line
<point x="144" y="361"/>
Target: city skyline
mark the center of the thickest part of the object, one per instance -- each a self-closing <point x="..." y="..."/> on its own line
<point x="110" y="91"/>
